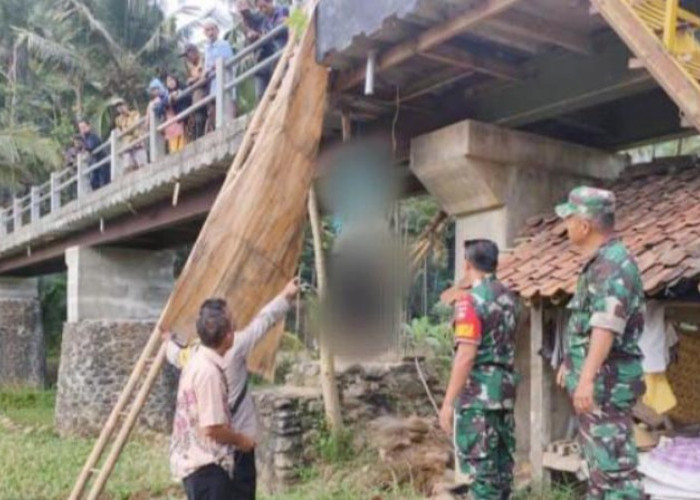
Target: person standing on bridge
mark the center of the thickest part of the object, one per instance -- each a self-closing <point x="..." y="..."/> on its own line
<point x="177" y="103"/>
<point x="267" y="18"/>
<point x="194" y="66"/>
<point x="91" y="142"/>
<point x="240" y="402"/>
<point x="126" y="122"/>
<point x="215" y="49"/>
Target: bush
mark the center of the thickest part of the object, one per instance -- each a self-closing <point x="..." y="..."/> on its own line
<point x="335" y="447"/>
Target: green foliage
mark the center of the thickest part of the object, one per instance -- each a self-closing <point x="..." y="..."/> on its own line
<point x="334" y="447"/>
<point x="433" y="337"/>
<point x="297" y="22"/>
<point x="62" y="58"/>
<point x="559" y="491"/>
<point x="437" y="272"/>
<point x="52" y="295"/>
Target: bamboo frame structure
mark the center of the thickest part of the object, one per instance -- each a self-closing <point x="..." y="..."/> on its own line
<point x="251" y="241"/>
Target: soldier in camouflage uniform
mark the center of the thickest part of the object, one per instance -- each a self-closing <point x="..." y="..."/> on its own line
<point x="602" y="369"/>
<point x="480" y="396"/>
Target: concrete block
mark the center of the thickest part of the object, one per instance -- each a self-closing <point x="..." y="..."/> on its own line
<point x="118" y="284"/>
<point x="19" y="288"/>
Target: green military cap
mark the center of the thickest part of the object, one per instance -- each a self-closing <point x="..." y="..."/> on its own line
<point x="587" y="202"/>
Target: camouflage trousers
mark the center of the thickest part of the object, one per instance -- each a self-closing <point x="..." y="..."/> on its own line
<point x="484" y="444"/>
<point x="607" y="442"/>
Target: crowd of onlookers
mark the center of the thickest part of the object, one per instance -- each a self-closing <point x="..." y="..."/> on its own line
<point x="171" y="93"/>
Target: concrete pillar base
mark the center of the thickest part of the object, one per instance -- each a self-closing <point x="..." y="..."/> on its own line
<point x="114" y="298"/>
<point x="96" y="360"/>
<point x="22" y="350"/>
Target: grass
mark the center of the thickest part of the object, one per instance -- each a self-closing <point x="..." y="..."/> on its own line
<point x="28" y="407"/>
<point x="345" y="479"/>
<point x="37" y="464"/>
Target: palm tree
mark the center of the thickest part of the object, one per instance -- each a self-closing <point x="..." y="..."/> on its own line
<point x="25" y="156"/>
<point x="107" y="47"/>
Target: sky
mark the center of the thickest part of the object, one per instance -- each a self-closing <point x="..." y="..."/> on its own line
<point x="221" y="10"/>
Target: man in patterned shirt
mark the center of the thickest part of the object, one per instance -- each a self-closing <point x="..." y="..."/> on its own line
<point x="202" y="440"/>
<point x="243" y="417"/>
<point x="602" y="369"/>
<point x="480" y="396"/>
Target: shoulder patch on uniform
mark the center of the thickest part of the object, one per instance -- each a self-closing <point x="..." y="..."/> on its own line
<point x="467" y="322"/>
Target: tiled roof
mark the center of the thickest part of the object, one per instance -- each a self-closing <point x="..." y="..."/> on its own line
<point x="658" y="218"/>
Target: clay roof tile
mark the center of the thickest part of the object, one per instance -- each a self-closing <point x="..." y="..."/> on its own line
<point x="657" y="219"/>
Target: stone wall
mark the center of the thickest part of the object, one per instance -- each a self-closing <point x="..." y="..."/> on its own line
<point x="291" y="416"/>
<point x="22" y="355"/>
<point x="290" y="419"/>
<point x="97" y="358"/>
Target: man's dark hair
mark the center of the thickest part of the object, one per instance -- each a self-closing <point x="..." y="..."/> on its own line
<point x="482" y="254"/>
<point x="213" y="322"/>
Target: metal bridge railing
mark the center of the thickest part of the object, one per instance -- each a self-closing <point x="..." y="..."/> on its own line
<point x="71" y="184"/>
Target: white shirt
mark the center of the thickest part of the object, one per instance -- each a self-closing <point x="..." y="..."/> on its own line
<point x="234" y="362"/>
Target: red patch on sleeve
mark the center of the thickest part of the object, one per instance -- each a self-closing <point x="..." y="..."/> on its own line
<point x="467" y="322"/>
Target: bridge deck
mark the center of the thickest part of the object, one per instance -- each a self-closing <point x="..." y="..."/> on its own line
<point x="201" y="163"/>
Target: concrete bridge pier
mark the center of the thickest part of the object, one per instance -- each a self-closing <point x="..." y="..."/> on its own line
<point x="493" y="179"/>
<point x="114" y="299"/>
<point x="22" y="353"/>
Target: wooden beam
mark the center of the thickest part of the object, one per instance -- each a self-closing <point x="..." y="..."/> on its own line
<point x="540" y="396"/>
<point x="433" y="83"/>
<point x="460" y="58"/>
<point x="535" y="28"/>
<point x="193" y="204"/>
<point x="506" y="39"/>
<point x="563" y="83"/>
<point x="427" y="40"/>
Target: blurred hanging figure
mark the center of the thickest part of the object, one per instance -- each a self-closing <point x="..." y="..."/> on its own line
<point x="365" y="263"/>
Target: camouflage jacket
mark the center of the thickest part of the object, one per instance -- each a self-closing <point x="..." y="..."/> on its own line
<point x="609" y="295"/>
<point x="487" y="316"/>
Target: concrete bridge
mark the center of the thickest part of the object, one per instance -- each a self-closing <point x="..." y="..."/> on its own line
<point x="158" y="206"/>
<point x="116" y="243"/>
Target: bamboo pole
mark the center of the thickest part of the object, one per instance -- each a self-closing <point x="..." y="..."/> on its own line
<point x="331" y="401"/>
<point x="129" y="423"/>
<point x="113" y="418"/>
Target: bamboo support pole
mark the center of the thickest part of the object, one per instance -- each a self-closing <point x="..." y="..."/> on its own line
<point x="329" y="388"/>
<point x="130" y="421"/>
<point x="113" y="418"/>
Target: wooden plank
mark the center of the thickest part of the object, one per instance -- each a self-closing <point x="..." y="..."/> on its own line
<point x="506" y="39"/>
<point x="433" y="83"/>
<point x="427" y="40"/>
<point x="458" y="57"/>
<point x="540" y="395"/>
<point x="535" y="28"/>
